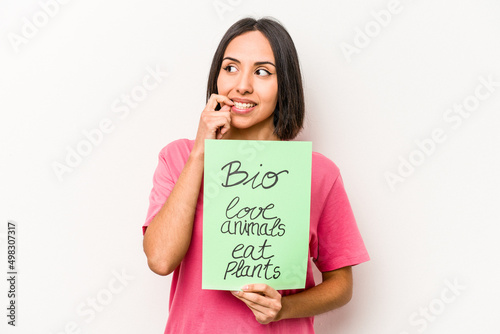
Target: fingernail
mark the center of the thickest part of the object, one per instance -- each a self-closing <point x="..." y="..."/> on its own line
<point x="244" y="288"/>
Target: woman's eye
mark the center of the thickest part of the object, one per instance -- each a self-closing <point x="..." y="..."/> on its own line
<point x="230" y="68"/>
<point x="262" y="72"/>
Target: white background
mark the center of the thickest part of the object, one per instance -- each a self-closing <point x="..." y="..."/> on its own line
<point x="436" y="226"/>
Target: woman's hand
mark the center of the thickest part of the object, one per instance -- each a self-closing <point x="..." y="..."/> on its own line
<point x="213" y="124"/>
<point x="264" y="301"/>
<point x="268" y="305"/>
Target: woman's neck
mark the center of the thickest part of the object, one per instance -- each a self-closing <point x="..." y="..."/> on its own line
<point x="261" y="131"/>
<point x="247" y="134"/>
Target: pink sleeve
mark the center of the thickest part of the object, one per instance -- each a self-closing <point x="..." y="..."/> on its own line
<point x="163" y="183"/>
<point x="339" y="241"/>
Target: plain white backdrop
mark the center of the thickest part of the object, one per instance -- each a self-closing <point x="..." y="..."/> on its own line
<point x="404" y="96"/>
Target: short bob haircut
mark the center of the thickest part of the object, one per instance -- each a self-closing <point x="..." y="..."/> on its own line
<point x="289" y="112"/>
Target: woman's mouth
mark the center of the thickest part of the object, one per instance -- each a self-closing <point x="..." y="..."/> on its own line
<point x="242" y="108"/>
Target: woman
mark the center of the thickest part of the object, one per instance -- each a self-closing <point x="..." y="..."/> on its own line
<point x="254" y="92"/>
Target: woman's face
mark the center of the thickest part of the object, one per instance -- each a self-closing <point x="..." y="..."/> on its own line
<point x="248" y="77"/>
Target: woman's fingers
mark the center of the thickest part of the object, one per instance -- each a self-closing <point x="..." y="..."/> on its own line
<point x="213" y="124"/>
<point x="263" y="301"/>
<point x="225" y="112"/>
<point x="263" y="289"/>
<point x="214" y="99"/>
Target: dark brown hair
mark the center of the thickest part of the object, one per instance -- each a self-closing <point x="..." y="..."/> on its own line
<point x="289" y="113"/>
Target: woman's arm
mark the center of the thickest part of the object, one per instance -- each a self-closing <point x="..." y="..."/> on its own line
<point x="335" y="291"/>
<point x="168" y="236"/>
<point x="268" y="305"/>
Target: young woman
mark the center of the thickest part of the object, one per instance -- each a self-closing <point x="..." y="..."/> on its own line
<point x="254" y="92"/>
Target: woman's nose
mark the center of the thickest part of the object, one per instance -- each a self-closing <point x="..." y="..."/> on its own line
<point x="245" y="84"/>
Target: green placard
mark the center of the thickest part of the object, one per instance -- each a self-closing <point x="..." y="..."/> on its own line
<point x="256" y="213"/>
